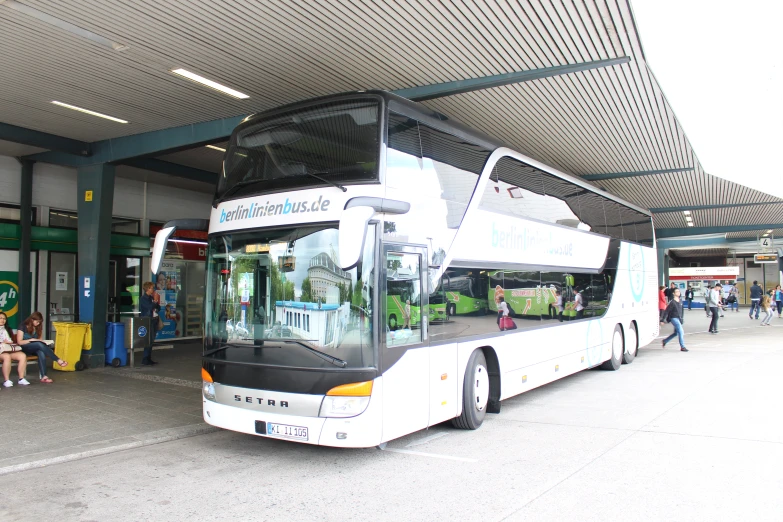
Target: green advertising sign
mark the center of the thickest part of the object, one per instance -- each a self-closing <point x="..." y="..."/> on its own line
<point x="9" y="296"/>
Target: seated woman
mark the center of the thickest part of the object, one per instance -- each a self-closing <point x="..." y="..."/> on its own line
<point x="7" y="338"/>
<point x="29" y="337"/>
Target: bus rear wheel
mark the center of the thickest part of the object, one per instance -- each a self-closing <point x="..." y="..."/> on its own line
<point x="475" y="393"/>
<point x="618" y="348"/>
<point x="631" y="345"/>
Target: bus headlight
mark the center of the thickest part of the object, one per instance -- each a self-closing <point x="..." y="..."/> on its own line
<point x="208" y="389"/>
<point x="343" y="406"/>
<point x="346" y="400"/>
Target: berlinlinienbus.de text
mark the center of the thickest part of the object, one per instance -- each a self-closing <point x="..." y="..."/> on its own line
<point x="525" y="239"/>
<point x="289" y="207"/>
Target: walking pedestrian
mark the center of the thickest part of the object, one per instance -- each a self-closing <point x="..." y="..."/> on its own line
<point x="674" y="314"/>
<point x="689" y="296"/>
<point x="779" y="300"/>
<point x="707" y="300"/>
<point x="715" y="306"/>
<point x="661" y="303"/>
<point x="766" y="305"/>
<point x="755" y="297"/>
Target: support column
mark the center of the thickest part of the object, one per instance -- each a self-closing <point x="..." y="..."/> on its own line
<point x="663" y="266"/>
<point x="95" y="197"/>
<point x="25" y="219"/>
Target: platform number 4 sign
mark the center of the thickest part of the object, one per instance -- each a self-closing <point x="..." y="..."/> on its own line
<point x="765" y="243"/>
<point x="9" y="298"/>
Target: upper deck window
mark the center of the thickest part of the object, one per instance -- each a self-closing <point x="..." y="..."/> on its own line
<point x="338" y="141"/>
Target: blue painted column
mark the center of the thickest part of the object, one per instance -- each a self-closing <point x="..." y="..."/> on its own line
<point x="95" y="186"/>
<point x="25" y="218"/>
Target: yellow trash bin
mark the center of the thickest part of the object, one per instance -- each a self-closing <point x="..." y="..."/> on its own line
<point x="71" y="340"/>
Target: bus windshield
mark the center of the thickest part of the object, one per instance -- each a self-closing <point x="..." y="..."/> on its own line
<point x="282" y="289"/>
<point x="337" y="141"/>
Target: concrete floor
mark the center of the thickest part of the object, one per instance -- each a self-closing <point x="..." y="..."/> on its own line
<point x="673" y="436"/>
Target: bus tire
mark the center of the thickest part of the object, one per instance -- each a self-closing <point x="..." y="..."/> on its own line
<point x="631" y="345"/>
<point x="475" y="393"/>
<point x="618" y="348"/>
<point x="392" y="322"/>
<point x="451" y="310"/>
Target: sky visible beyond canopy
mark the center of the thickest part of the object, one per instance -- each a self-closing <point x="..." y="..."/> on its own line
<point x="720" y="65"/>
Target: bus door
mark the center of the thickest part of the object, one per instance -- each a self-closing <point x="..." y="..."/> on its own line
<point x="404" y="354"/>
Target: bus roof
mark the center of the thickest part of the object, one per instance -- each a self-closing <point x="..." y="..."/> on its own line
<point x="435" y="119"/>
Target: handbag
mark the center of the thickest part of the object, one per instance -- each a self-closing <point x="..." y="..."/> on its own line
<point x="506" y="323"/>
<point x="9" y="348"/>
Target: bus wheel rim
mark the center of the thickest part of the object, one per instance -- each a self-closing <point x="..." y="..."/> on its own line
<point x="617" y="345"/>
<point x="481" y="381"/>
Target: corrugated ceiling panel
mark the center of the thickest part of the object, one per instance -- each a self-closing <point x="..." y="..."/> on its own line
<point x="614" y="119"/>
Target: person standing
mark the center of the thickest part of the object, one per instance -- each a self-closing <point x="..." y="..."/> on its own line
<point x="149" y="308"/>
<point x="579" y="304"/>
<point x="715" y="306"/>
<point x="559" y="304"/>
<point x="766" y="305"/>
<point x="779" y="300"/>
<point x="406" y="315"/>
<point x="707" y="300"/>
<point x="674" y="313"/>
<point x="733" y="299"/>
<point x="689" y="296"/>
<point x="755" y="297"/>
<point x="661" y="303"/>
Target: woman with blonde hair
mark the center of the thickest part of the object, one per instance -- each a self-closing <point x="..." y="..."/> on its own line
<point x="10" y="351"/>
<point x="30" y="336"/>
<point x="766" y="305"/>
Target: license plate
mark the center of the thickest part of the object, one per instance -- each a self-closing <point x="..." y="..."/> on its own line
<point x="286" y="431"/>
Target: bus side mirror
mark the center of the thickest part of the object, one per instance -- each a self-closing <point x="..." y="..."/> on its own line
<point x="159" y="248"/>
<point x="352" y="231"/>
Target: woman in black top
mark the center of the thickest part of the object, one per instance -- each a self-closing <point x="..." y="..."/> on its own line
<point x="674" y="315"/>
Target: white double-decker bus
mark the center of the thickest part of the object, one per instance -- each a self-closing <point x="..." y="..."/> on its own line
<point x="360" y="247"/>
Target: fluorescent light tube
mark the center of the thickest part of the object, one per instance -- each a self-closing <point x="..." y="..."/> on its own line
<point x="87" y="111"/>
<point x="215" y="148"/>
<point x="209" y="83"/>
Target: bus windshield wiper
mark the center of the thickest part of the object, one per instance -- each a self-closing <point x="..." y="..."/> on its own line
<point x="332" y="183"/>
<point x="298" y="169"/>
<point x="238" y="185"/>
<point x="325" y="356"/>
<point x="229" y="345"/>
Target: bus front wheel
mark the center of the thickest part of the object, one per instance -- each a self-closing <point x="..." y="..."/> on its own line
<point x="475" y="393"/>
<point x="618" y="348"/>
<point x="392" y="322"/>
<point x="451" y="310"/>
